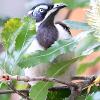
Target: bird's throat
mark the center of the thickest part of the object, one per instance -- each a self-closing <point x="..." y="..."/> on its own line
<point x="47" y="35"/>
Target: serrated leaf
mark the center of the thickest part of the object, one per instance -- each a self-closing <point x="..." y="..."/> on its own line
<point x="16" y="37"/>
<point x="63" y="46"/>
<point x="40" y="91"/>
<point x="60" y="47"/>
<point x="10" y="28"/>
<point x="84" y="66"/>
<point x="77" y="25"/>
<point x="60" y="67"/>
<point x="25" y="33"/>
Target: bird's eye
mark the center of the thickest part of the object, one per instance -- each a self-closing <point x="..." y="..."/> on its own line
<point x="57" y="5"/>
<point x="41" y="10"/>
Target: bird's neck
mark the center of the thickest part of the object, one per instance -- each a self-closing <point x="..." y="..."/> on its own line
<point x="49" y="20"/>
<point x="47" y="33"/>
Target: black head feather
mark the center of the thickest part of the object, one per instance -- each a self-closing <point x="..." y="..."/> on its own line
<point x="39" y="11"/>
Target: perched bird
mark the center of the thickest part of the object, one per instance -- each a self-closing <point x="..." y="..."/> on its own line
<point x="48" y="31"/>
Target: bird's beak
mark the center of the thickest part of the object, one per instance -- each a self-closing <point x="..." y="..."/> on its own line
<point x="29" y="13"/>
<point x="61" y="6"/>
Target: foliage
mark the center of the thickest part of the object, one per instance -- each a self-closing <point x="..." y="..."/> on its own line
<point x="84" y="66"/>
<point x="16" y="37"/>
<point x="18" y="34"/>
<point x="3" y="20"/>
<point x="3" y="96"/>
<point x="59" y="94"/>
<point x="62" y="93"/>
<point x="40" y="90"/>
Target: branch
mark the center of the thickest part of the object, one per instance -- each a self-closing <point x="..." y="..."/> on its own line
<point x="75" y="87"/>
<point x="11" y="91"/>
<point x="24" y="95"/>
<point x="86" y="80"/>
<point x="27" y="79"/>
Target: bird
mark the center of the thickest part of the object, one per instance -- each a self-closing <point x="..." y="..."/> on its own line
<point x="48" y="32"/>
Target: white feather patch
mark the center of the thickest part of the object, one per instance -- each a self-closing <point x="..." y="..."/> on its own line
<point x="41" y="6"/>
<point x="62" y="33"/>
<point x="34" y="47"/>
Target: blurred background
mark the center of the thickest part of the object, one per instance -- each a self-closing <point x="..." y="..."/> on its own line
<point x="19" y="8"/>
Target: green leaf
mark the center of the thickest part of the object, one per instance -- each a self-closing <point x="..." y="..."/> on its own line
<point x="58" y="94"/>
<point x="52" y="73"/>
<point x="1" y="84"/>
<point x="26" y="31"/>
<point x="81" y="97"/>
<point x="76" y="44"/>
<point x="89" y="97"/>
<point x="77" y="25"/>
<point x="9" y="30"/>
<point x="3" y="20"/>
<point x="5" y="97"/>
<point x="60" y="47"/>
<point x="88" y="43"/>
<point x="72" y="4"/>
<point x="84" y="66"/>
<point x="17" y="32"/>
<point x="40" y="90"/>
<point x="16" y="36"/>
<point x="60" y="67"/>
<point x="24" y="38"/>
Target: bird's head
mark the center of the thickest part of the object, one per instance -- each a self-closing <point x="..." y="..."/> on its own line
<point x="43" y="11"/>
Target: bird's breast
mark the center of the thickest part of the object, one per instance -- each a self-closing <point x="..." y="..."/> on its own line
<point x="47" y="35"/>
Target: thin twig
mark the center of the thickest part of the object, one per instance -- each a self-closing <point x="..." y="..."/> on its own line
<point x="11" y="86"/>
<point x="76" y="88"/>
<point x="82" y="78"/>
<point x="11" y="91"/>
<point x="27" y="79"/>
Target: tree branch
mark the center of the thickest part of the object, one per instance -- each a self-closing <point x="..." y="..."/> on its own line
<point x="75" y="87"/>
<point x="24" y="95"/>
<point x="11" y="91"/>
<point x="27" y="79"/>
